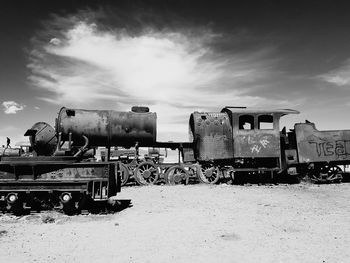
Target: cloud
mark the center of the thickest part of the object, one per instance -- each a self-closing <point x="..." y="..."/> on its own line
<point x="55" y="41"/>
<point x="173" y="70"/>
<point x="339" y="76"/>
<point x="12" y="107"/>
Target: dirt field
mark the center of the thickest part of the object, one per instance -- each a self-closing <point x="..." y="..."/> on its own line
<point x="195" y="223"/>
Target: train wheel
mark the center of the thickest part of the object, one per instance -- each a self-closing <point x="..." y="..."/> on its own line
<point x="209" y="174"/>
<point x="125" y="174"/>
<point x="327" y="174"/>
<point x="146" y="173"/>
<point x="176" y="175"/>
<point x="333" y="173"/>
<point x="69" y="207"/>
<point x="15" y="203"/>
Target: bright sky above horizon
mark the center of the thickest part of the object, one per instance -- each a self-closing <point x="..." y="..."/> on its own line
<point x="175" y="57"/>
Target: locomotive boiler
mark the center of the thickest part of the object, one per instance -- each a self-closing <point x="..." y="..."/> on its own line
<point x="107" y="128"/>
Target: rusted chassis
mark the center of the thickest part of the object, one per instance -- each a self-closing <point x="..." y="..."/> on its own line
<point x="150" y="168"/>
<point x="35" y="183"/>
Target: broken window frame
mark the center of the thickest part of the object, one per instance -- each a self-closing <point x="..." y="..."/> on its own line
<point x="246" y="119"/>
<point x="268" y="121"/>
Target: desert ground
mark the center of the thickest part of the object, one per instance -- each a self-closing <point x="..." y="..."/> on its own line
<point x="194" y="223"/>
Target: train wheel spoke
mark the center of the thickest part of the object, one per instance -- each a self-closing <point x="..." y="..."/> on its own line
<point x="209" y="174"/>
<point x="146" y="173"/>
<point x="326" y="174"/>
<point x="176" y="175"/>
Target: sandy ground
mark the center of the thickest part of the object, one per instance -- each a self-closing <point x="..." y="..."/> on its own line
<point x="194" y="223"/>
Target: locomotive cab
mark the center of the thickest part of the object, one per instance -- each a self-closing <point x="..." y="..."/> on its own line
<point x="256" y="135"/>
<point x="238" y="141"/>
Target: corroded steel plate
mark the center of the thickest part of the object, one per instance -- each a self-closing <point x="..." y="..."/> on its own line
<point x="321" y="146"/>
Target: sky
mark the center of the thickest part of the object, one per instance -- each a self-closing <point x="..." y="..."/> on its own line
<point x="175" y="57"/>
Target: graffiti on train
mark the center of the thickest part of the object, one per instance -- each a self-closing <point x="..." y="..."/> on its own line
<point x="330" y="148"/>
<point x="258" y="144"/>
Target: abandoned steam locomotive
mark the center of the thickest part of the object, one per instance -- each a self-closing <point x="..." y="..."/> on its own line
<point x="235" y="143"/>
<point x="54" y="177"/>
<point x="240" y="143"/>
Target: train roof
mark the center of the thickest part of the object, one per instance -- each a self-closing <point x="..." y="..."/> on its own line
<point x="241" y="110"/>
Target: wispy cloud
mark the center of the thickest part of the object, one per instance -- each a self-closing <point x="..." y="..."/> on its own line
<point x="12" y="107"/>
<point x="84" y="64"/>
<point x="339" y="76"/>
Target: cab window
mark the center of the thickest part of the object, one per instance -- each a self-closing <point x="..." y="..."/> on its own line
<point x="265" y="122"/>
<point x="246" y="122"/>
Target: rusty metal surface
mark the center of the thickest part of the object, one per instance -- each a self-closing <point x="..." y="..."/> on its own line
<point x="78" y="173"/>
<point x="188" y="155"/>
<point x="37" y="161"/>
<point x="321" y="146"/>
<point x="97" y="179"/>
<point x="42" y="138"/>
<point x="256" y="143"/>
<point x="59" y="168"/>
<point x="245" y="110"/>
<point x="212" y="136"/>
<point x="107" y="128"/>
<point x="291" y="156"/>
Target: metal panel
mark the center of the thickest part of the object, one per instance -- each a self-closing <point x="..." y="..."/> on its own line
<point x="42" y="138"/>
<point x="56" y="170"/>
<point x="63" y="177"/>
<point x="291" y="156"/>
<point x="188" y="155"/>
<point x="321" y="146"/>
<point x="212" y="136"/>
<point x="107" y="128"/>
<point x="256" y="143"/>
<point x="245" y="110"/>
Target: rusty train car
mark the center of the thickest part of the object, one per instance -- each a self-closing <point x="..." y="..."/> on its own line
<point x="134" y="129"/>
<point x="238" y="141"/>
<point x="54" y="177"/>
<point x="319" y="154"/>
<point x="245" y="142"/>
<point x="235" y="143"/>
